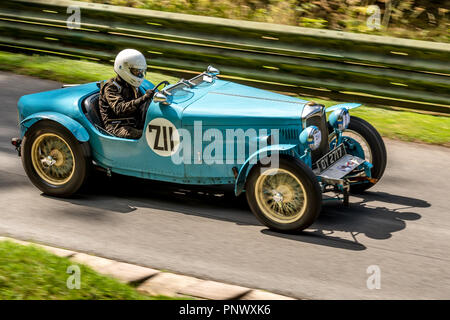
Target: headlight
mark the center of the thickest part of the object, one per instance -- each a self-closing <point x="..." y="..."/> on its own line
<point x="311" y="137"/>
<point x="339" y="119"/>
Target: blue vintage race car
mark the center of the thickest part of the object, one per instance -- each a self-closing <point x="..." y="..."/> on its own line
<point x="280" y="150"/>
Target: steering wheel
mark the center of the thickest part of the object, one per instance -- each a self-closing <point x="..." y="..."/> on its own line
<point x="166" y="83"/>
<point x="147" y="104"/>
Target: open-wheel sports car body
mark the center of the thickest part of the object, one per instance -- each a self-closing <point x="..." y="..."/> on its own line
<point x="280" y="150"/>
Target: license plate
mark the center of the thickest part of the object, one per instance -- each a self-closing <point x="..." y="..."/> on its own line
<point x="342" y="167"/>
<point x="330" y="158"/>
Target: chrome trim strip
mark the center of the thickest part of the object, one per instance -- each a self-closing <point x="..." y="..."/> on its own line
<point x="250" y="97"/>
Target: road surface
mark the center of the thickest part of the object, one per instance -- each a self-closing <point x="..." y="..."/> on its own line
<point x="402" y="226"/>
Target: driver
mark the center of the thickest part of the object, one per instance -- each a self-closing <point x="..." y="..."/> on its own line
<point x="121" y="105"/>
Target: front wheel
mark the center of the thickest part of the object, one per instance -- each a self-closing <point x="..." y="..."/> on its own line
<point x="287" y="198"/>
<point x="54" y="160"/>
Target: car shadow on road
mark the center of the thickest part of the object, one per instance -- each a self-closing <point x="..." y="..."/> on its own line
<point x="122" y="194"/>
<point x="376" y="215"/>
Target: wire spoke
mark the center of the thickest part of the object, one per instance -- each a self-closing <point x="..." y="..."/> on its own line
<point x="282" y="195"/>
<point x="54" y="158"/>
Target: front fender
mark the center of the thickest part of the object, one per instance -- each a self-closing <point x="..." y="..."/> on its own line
<point x="347" y="106"/>
<point x="253" y="159"/>
<point x="78" y="131"/>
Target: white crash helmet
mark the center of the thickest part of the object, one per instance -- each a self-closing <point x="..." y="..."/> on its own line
<point x="131" y="66"/>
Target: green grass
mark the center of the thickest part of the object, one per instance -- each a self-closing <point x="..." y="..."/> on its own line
<point x="63" y="70"/>
<point x="31" y="273"/>
<point x="403" y="125"/>
<point x="408" y="126"/>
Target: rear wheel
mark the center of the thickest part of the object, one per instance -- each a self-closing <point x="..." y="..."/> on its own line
<point x="54" y="160"/>
<point x="287" y="198"/>
<point x="370" y="146"/>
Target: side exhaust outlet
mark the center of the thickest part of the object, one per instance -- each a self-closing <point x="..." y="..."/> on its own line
<point x="16" y="142"/>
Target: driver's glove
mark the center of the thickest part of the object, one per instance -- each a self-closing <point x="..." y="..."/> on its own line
<point x="149" y="94"/>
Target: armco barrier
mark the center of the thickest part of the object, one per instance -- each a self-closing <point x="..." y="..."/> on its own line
<point x="346" y="66"/>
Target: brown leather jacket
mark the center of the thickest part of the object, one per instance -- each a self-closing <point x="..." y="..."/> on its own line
<point x="120" y="103"/>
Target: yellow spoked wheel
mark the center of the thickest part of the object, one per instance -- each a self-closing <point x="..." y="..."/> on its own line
<point x="285" y="198"/>
<point x="280" y="195"/>
<point x="53" y="159"/>
<point x="356" y="137"/>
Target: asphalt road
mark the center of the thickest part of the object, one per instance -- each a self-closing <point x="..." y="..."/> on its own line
<point x="402" y="225"/>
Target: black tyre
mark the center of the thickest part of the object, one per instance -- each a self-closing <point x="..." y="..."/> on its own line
<point x="373" y="146"/>
<point x="54" y="160"/>
<point x="287" y="198"/>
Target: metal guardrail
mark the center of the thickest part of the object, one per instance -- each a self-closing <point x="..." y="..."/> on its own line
<point x="344" y="66"/>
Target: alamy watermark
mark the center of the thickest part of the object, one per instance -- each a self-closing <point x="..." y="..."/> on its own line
<point x="374" y="280"/>
<point x="375" y="20"/>
<point x="74" y="280"/>
<point x="229" y="146"/>
<point x="197" y="144"/>
<point x="74" y="20"/>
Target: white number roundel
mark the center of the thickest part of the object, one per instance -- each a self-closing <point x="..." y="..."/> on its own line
<point x="162" y="137"/>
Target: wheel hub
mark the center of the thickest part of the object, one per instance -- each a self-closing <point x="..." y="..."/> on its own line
<point x="277" y="196"/>
<point x="57" y="156"/>
<point x="48" y="161"/>
<point x="53" y="159"/>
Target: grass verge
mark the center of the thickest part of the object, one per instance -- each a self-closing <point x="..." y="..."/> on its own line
<point x="63" y="70"/>
<point x="402" y="125"/>
<point x="31" y="273"/>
